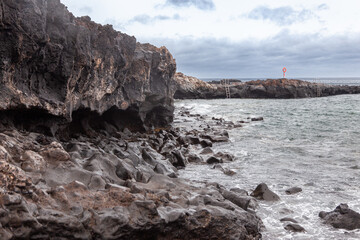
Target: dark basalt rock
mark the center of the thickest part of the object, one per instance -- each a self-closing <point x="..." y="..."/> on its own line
<point x="241" y="201"/>
<point x="56" y="63"/>
<point x="287" y="219"/>
<point x="262" y="192"/>
<point x="178" y="160"/>
<point x="294" y="227"/>
<point x="293" y="190"/>
<point x="225" y="157"/>
<point x="212" y="160"/>
<point x="194" y="158"/>
<point x="193" y="88"/>
<point x="240" y="191"/>
<point x="342" y="217"/>
<point x="257" y="119"/>
<point x="207" y="150"/>
<point x="229" y="172"/>
<point x="205" y="143"/>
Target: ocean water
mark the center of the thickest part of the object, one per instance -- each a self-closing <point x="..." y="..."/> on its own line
<point x="351" y="81"/>
<point x="312" y="143"/>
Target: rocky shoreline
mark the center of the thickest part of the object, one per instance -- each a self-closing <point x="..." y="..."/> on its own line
<point x="121" y="186"/>
<point x="86" y="147"/>
<point x="194" y="88"/>
<point x="87" y="150"/>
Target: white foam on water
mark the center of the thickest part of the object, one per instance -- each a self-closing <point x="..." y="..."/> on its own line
<point x="309" y="143"/>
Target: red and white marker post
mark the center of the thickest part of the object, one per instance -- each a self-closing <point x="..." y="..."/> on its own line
<point x="284" y="71"/>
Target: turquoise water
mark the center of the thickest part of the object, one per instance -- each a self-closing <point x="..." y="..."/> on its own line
<point x="311" y="143"/>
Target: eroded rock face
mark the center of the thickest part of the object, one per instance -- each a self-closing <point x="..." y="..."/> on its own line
<point x="57" y="63"/>
<point x="188" y="87"/>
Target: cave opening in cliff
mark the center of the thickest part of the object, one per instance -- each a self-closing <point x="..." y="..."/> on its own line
<point x="122" y="119"/>
<point x="30" y="120"/>
<point x="84" y="122"/>
<point x="90" y="123"/>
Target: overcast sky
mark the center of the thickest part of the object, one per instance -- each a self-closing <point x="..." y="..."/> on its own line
<point x="241" y="38"/>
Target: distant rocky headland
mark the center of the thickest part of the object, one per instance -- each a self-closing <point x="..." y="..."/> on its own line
<point x="193" y="88"/>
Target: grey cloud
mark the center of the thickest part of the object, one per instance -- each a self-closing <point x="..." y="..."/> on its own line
<point x="281" y="16"/>
<point x="200" y="4"/>
<point x="303" y="55"/>
<point x="146" y="19"/>
<point x="86" y="10"/>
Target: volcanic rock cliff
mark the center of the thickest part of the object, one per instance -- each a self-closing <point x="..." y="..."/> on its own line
<point x="193" y="88"/>
<point x="58" y="64"/>
<point x="85" y="147"/>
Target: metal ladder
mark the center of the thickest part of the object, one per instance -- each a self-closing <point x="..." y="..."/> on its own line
<point x="318" y="89"/>
<point x="226" y="84"/>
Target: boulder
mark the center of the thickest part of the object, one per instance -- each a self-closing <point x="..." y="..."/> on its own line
<point x="54" y="153"/>
<point x="241" y="201"/>
<point x="225" y="157"/>
<point x="179" y="160"/>
<point x="294" y="227"/>
<point x="342" y="217"/>
<point x="194" y="158"/>
<point x="293" y="190"/>
<point x="228" y="172"/>
<point x="212" y="160"/>
<point x="194" y="140"/>
<point x="262" y="192"/>
<point x="32" y="161"/>
<point x="207" y="150"/>
<point x="205" y="143"/>
<point x="255" y="119"/>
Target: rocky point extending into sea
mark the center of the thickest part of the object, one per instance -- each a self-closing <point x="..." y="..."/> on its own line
<point x="87" y="150"/>
<point x="193" y="88"/>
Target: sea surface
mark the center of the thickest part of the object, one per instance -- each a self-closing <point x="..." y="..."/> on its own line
<point x="312" y="143"/>
<point x="351" y="81"/>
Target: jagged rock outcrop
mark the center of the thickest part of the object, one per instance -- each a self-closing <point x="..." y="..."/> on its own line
<point x="56" y="63"/>
<point x="192" y="87"/>
<point x="271" y="88"/>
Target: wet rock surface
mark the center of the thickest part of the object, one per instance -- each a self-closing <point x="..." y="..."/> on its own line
<point x="193" y="88"/>
<point x="293" y="190"/>
<point x="342" y="217"/>
<point x="294" y="227"/>
<point x="287" y="219"/>
<point x="263" y="192"/>
<point x="110" y="188"/>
